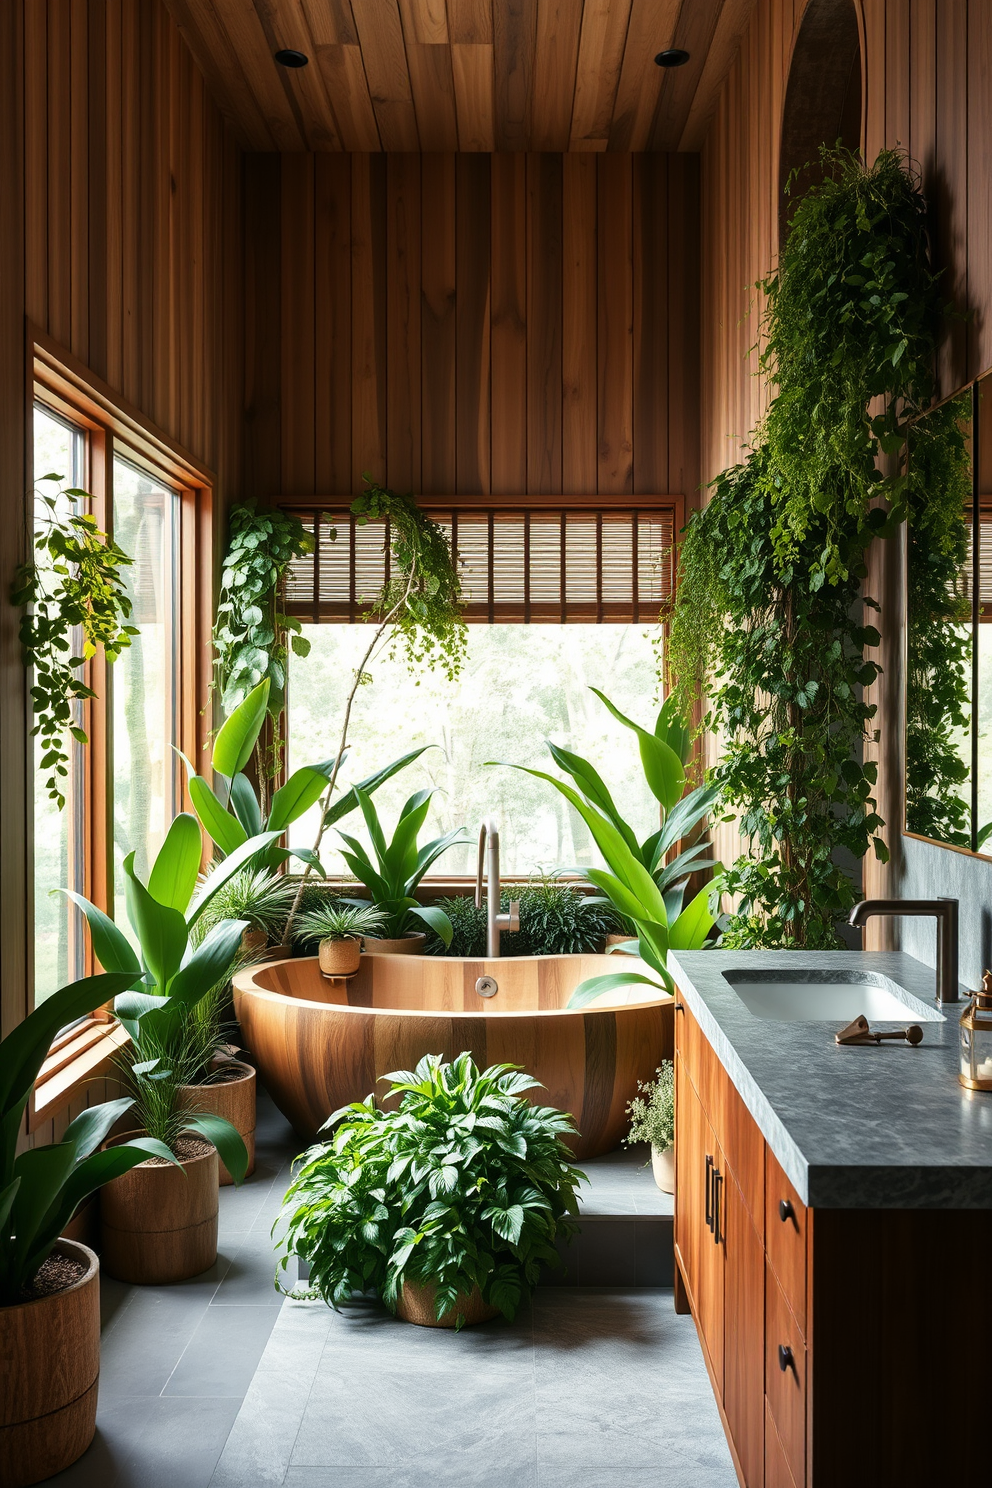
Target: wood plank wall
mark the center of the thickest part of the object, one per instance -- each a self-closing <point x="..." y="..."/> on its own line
<point x="926" y="66"/>
<point x="514" y="323"/>
<point x="121" y="236"/>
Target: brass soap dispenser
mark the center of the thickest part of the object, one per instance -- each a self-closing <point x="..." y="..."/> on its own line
<point x="976" y="1039"/>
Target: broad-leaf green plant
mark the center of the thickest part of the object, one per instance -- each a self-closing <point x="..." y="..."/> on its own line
<point x="393" y="870"/>
<point x="42" y="1188"/>
<point x="466" y="1186"/>
<point x="174" y="972"/>
<point x="637" y="881"/>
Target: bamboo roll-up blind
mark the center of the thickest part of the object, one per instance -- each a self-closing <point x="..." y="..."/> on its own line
<point x="517" y="564"/>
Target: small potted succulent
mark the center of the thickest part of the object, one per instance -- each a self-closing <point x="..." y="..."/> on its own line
<point x="448" y="1207"/>
<point x="652" y="1119"/>
<point x="340" y="928"/>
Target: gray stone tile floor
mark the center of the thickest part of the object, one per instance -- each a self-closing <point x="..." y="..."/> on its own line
<point x="220" y="1383"/>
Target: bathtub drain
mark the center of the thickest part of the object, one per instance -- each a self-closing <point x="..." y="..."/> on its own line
<point x="487" y="986"/>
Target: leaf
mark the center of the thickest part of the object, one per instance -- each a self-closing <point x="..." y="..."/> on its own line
<point x="662" y="767"/>
<point x="436" y="920"/>
<point x="111" y="946"/>
<point x="211" y="963"/>
<point x="161" y="931"/>
<point x="612" y="981"/>
<point x="220" y="824"/>
<point x="245" y="803"/>
<point x="690" y="930"/>
<point x="349" y="802"/>
<point x="302" y="790"/>
<point x="237" y="737"/>
<point x="174" y="873"/>
<point x="226" y="1138"/>
<point x="92" y="1126"/>
<point x="226" y="870"/>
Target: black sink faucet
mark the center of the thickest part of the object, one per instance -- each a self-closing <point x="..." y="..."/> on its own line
<point x="944" y="911"/>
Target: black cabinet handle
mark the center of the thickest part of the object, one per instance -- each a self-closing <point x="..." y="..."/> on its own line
<point x="717" y="1189"/>
<point x="679" y="1008"/>
<point x="785" y="1358"/>
<point x="709" y="1192"/>
<point x="786" y="1211"/>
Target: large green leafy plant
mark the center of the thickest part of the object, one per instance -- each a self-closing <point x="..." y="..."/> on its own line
<point x="555" y="920"/>
<point x="769" y="616"/>
<point x="638" y="881"/>
<point x="42" y="1188"/>
<point x="175" y="973"/>
<point x="392" y="871"/>
<point x="467" y="1185"/>
<point x="74" y="588"/>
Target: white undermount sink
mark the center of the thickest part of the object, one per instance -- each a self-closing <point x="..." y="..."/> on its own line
<point x="795" y="996"/>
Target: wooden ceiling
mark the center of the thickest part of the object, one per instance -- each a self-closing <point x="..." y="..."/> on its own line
<point x="411" y="75"/>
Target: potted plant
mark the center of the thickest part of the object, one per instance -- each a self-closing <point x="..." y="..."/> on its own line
<point x="258" y="896"/>
<point x="50" y="1287"/>
<point x="340" y="929"/>
<point x="392" y="880"/>
<point x="157" y="1226"/>
<point x="448" y="1206"/>
<point x="652" y="1119"/>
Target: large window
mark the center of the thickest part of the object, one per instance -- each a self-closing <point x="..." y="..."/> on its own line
<point x="521" y="684"/>
<point x="59" y="836"/>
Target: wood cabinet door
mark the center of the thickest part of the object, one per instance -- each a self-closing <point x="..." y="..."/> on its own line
<point x="697" y="1158"/>
<point x="743" y="1330"/>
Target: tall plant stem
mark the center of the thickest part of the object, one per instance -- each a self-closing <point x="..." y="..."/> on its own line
<point x="325" y="800"/>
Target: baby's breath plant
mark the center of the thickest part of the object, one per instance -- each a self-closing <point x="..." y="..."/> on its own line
<point x="652" y="1111"/>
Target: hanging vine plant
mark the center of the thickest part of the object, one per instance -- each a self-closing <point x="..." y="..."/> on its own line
<point x="76" y="602"/>
<point x="769" y="611"/>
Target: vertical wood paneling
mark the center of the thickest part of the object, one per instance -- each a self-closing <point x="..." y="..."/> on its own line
<point x="509" y="323"/>
<point x="616" y="329"/>
<point x="579" y="286"/>
<point x="473" y="228"/>
<point x="526" y="324"/>
<point x="438" y="322"/>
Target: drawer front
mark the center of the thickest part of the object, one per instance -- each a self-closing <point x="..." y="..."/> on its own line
<point x="785" y="1376"/>
<point x="785" y="1237"/>
<point x="777" y="1472"/>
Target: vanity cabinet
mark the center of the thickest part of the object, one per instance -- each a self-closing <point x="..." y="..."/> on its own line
<point x="841" y="1343"/>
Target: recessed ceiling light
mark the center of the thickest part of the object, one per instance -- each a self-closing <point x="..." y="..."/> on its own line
<point x="288" y="58"/>
<point x="673" y="57"/>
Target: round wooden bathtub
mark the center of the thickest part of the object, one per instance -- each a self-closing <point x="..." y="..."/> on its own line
<point x="320" y="1043"/>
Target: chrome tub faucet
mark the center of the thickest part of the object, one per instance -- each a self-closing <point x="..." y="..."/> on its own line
<point x="489" y="861"/>
<point x="945" y="911"/>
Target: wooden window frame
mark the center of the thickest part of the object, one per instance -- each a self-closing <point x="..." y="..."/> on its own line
<point x="59" y="382"/>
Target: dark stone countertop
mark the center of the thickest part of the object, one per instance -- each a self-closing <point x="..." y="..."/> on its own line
<point x="876" y="1127"/>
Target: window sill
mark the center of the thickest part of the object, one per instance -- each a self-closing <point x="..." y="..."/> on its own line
<point x="71" y="1064"/>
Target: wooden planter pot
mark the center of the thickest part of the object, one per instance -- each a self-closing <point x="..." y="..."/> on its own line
<point x="160" y="1224"/>
<point x="233" y="1099"/>
<point x="49" y="1366"/>
<point x="340" y="958"/>
<point x="407" y="945"/>
<point x="416" y="1304"/>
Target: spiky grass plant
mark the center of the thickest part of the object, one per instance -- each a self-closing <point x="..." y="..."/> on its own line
<point x="256" y="895"/>
<point x="335" y="921"/>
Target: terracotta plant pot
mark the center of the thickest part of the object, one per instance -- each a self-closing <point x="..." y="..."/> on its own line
<point x="254" y="942"/>
<point x="160" y="1224"/>
<point x="663" y="1168"/>
<point x="407" y="945"/>
<point x="340" y="958"/>
<point x="232" y="1098"/>
<point x="49" y="1366"/>
<point x="416" y="1304"/>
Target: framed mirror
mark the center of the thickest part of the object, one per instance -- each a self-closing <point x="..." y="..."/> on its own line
<point x="948" y="697"/>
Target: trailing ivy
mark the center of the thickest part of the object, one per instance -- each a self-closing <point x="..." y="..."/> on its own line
<point x="251" y="629"/>
<point x="423" y="587"/>
<point x="770" y="606"/>
<point x="938" y="683"/>
<point x="76" y="601"/>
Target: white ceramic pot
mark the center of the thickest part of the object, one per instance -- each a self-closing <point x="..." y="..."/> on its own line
<point x="663" y="1168"/>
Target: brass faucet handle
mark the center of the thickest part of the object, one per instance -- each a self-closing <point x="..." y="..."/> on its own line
<point x="860" y="1032"/>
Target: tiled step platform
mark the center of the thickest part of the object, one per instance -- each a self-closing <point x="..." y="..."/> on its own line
<point x="625" y="1239"/>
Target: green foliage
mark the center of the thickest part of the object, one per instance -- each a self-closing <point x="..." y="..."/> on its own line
<point x="424" y="582"/>
<point x="652" y="1111"/>
<point x="75" y="583"/>
<point x="250" y="629"/>
<point x="938" y="682"/>
<point x="255" y="895"/>
<point x="333" y="921"/>
<point x="638" y="882"/>
<point x="174" y="974"/>
<point x="466" y="1185"/>
<point x="555" y="920"/>
<point x="393" y="879"/>
<point x="769" y="613"/>
<point x="41" y="1189"/>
